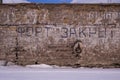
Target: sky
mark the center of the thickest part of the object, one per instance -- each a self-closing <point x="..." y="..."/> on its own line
<point x="60" y="1"/>
<point x="95" y="1"/>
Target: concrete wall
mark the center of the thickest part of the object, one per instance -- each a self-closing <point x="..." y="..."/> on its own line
<point x="64" y="34"/>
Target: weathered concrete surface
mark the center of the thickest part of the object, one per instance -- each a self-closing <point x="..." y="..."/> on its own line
<point x="64" y="34"/>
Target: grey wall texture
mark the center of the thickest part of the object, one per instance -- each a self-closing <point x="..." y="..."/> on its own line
<point x="61" y="34"/>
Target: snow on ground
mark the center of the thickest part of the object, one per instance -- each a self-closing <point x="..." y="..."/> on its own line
<point x="47" y="72"/>
<point x="39" y="66"/>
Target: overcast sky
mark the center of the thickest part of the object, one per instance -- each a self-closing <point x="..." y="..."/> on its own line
<point x="15" y="1"/>
<point x="60" y="1"/>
